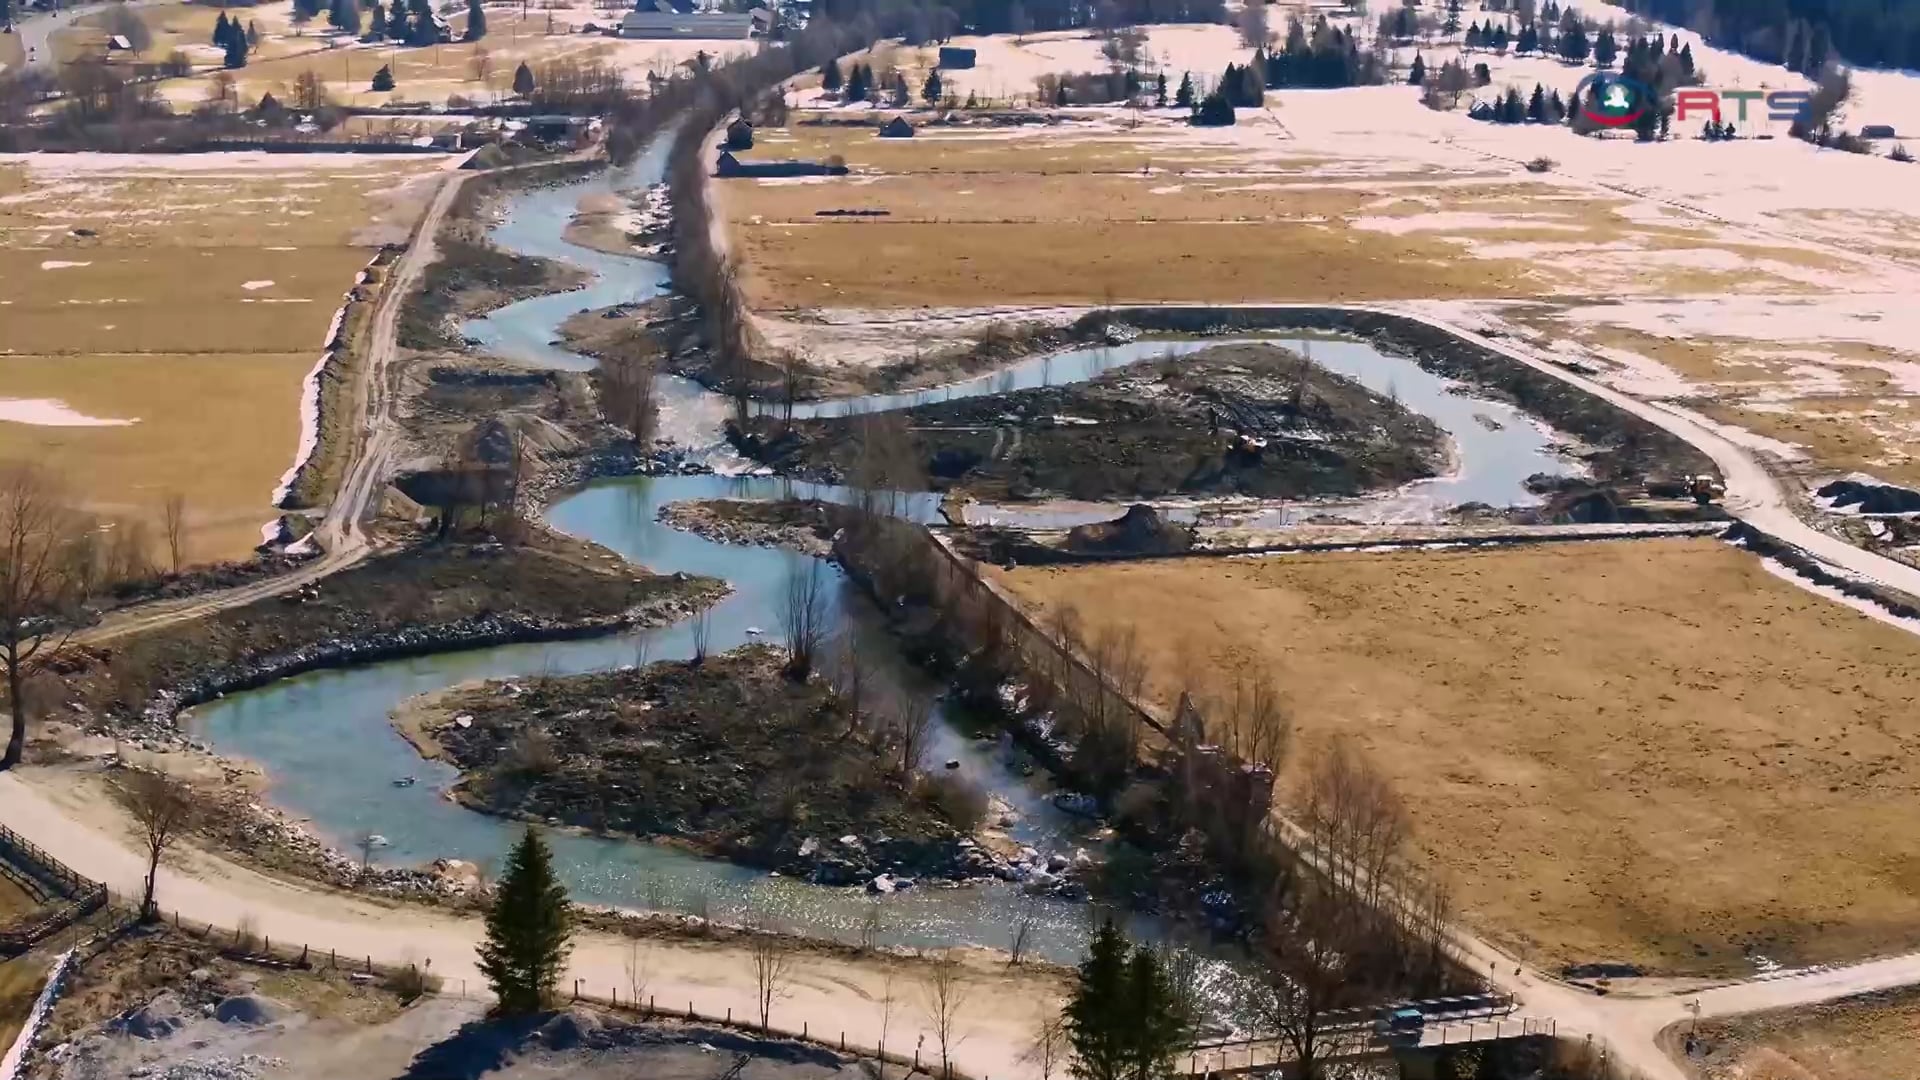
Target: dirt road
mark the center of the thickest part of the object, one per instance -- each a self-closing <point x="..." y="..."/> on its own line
<point x="829" y="993"/>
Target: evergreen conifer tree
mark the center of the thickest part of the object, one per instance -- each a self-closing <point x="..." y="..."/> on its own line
<point x="1605" y="50"/>
<point x="221" y="27"/>
<point x="1183" y="97"/>
<point x="527" y="929"/>
<point x="396" y="20"/>
<point x="1452" y="24"/>
<point x="523" y="79"/>
<point x="1417" y="75"/>
<point x="1159" y="90"/>
<point x="476" y="21"/>
<point x="830" y="78"/>
<point x="930" y="90"/>
<point x="382" y="80"/>
<point x="377" y="24"/>
<point x="1537" y="105"/>
<point x="1124" y="1020"/>
<point x="236" y="47"/>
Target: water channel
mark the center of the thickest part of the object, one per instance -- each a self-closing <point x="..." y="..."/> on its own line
<point x="332" y="755"/>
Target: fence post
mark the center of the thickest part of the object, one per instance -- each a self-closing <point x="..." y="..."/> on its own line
<point x="576" y="989"/>
<point x="303" y="956"/>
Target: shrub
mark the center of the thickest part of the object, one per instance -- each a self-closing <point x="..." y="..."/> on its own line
<point x="533" y="753"/>
<point x="410" y="982"/>
<point x="1900" y="153"/>
<point x="962" y="804"/>
<point x="1541" y="164"/>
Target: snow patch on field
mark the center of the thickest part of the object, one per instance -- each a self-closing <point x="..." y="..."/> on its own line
<point x="58" y="264"/>
<point x="1448" y="220"/>
<point x="50" y="412"/>
<point x="250" y="286"/>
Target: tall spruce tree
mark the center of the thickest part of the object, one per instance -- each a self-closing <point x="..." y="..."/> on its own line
<point x="830" y="78"/>
<point x="221" y="28"/>
<point x="382" y="80"/>
<point x="1183" y="97"/>
<point x="476" y="21"/>
<point x="1417" y="75"/>
<point x="1125" y="1021"/>
<point x="523" y="79"/>
<point x="236" y="47"/>
<point x="1452" y="24"/>
<point x="930" y="90"/>
<point x="377" y="22"/>
<point x="396" y="20"/>
<point x="528" y="929"/>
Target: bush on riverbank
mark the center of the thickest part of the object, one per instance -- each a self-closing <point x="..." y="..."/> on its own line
<point x="731" y="756"/>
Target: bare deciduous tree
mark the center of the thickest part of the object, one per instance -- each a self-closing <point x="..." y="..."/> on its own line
<point x="364" y="843"/>
<point x="627" y="390"/>
<point x="173" y="518"/>
<point x="772" y="958"/>
<point x="1253" y="24"/>
<point x="639" y="965"/>
<point x="889" y="996"/>
<point x="1048" y="1050"/>
<point x="851" y="674"/>
<point x="804" y="615"/>
<point x="163" y="810"/>
<point x="309" y="93"/>
<point x="1025" y="921"/>
<point x="121" y="20"/>
<point x="911" y="726"/>
<point x="942" y="994"/>
<point x="49" y="565"/>
<point x="701" y="630"/>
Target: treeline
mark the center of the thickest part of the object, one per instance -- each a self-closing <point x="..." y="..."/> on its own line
<point x="1333" y="911"/>
<point x="1802" y="34"/>
<point x="702" y="273"/>
<point x="921" y="21"/>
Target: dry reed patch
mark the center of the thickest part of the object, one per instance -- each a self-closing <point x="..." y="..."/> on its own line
<point x="218" y="429"/>
<point x="1647" y="751"/>
<point x="887" y="265"/>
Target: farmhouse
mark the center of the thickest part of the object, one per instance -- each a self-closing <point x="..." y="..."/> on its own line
<point x="655" y="25"/>
<point x="728" y="165"/>
<point x="1877" y="131"/>
<point x="953" y="58"/>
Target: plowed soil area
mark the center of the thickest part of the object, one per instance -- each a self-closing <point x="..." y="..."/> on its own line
<point x="1650" y="751"/>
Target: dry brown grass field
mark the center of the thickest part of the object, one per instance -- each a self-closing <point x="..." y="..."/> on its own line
<point x="195" y="308"/>
<point x="1872" y="1038"/>
<point x="1644" y="751"/>
<point x="20" y="981"/>
<point x="1111" y="206"/>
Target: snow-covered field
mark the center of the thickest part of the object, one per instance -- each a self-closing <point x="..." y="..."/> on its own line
<point x="1763" y="283"/>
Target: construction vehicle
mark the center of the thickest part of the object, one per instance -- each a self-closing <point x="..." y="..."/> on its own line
<point x="1705" y="488"/>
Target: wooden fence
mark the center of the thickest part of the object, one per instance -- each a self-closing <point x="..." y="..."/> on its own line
<point x="71" y="896"/>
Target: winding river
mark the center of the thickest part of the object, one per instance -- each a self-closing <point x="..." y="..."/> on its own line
<point x="332" y="755"/>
